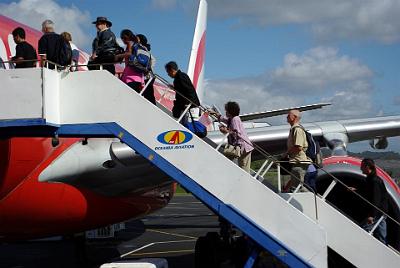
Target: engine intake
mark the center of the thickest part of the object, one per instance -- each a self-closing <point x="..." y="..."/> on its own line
<point x="347" y="170"/>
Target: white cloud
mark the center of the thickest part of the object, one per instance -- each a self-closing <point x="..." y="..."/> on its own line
<point x="252" y="96"/>
<point x="319" y="75"/>
<point x="329" y="20"/>
<point x="317" y="70"/>
<point x="34" y="12"/>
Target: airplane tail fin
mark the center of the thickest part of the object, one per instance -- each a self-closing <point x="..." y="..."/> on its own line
<point x="197" y="56"/>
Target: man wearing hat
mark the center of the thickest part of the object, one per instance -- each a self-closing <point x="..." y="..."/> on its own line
<point x="104" y="46"/>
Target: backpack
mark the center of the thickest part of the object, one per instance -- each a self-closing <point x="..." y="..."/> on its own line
<point x="196" y="127"/>
<point x="64" y="52"/>
<point x="313" y="150"/>
<point x="140" y="59"/>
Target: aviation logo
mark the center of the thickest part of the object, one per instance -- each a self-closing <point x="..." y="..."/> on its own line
<point x="174" y="140"/>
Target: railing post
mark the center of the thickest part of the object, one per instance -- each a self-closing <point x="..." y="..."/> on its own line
<point x="329" y="189"/>
<point x="295" y="191"/>
<point x="261" y="168"/>
<point x="42" y="85"/>
<point x="41" y="62"/>
<point x="146" y="85"/>
<point x="376" y="224"/>
<point x="267" y="169"/>
<point x="278" y="169"/>
<point x="184" y="113"/>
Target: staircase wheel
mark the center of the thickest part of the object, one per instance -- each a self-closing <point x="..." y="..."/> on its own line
<point x="206" y="252"/>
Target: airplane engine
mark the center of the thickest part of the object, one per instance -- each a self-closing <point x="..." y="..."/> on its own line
<point x="379" y="143"/>
<point x="347" y="170"/>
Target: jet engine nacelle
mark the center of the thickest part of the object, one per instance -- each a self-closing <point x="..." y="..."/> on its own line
<point x="347" y="170"/>
<point x="379" y="143"/>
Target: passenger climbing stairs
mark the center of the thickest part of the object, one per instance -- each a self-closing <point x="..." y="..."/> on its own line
<point x="96" y="104"/>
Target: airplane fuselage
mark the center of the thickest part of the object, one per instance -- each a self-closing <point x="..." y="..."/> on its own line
<point x="32" y="209"/>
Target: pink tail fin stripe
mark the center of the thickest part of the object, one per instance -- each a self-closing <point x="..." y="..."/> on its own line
<point x="199" y="60"/>
<point x="197" y="55"/>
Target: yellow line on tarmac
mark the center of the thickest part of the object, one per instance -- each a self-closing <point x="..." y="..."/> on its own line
<point x="173" y="234"/>
<point x="161" y="252"/>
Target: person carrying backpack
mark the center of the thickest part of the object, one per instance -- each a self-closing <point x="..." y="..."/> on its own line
<point x="314" y="153"/>
<point x="297" y="146"/>
<point x="149" y="92"/>
<point x="131" y="76"/>
<point x="140" y="60"/>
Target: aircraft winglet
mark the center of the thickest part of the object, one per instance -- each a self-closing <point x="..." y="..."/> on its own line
<point x="259" y="115"/>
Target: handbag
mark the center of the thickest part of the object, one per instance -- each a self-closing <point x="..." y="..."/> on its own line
<point x="232" y="151"/>
<point x="196" y="127"/>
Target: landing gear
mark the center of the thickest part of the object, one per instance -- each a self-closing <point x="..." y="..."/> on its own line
<point x="221" y="249"/>
<point x="228" y="250"/>
<point x="80" y="250"/>
<point x="79" y="244"/>
<point x="55" y="141"/>
<point x="212" y="251"/>
<point x="207" y="251"/>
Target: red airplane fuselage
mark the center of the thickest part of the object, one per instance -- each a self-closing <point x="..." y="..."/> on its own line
<point x="33" y="209"/>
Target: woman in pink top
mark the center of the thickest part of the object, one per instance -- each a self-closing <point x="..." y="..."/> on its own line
<point x="130" y="76"/>
<point x="237" y="133"/>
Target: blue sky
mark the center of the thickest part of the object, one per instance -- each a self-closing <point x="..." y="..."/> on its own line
<point x="266" y="54"/>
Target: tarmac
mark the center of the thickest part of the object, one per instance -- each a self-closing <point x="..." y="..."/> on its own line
<point x="170" y="233"/>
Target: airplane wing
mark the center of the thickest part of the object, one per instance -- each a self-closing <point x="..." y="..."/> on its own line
<point x="330" y="133"/>
<point x="259" y="115"/>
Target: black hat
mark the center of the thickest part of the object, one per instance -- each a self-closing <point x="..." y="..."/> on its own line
<point x="103" y="19"/>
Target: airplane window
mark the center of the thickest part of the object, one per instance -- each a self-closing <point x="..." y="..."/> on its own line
<point x="2" y="65"/>
<point x="11" y="65"/>
<point x="11" y="44"/>
<point x="3" y="53"/>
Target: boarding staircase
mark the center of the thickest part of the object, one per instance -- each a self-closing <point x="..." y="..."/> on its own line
<point x="96" y="104"/>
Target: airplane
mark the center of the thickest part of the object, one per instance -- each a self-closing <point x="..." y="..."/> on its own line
<point x="59" y="186"/>
<point x="30" y="209"/>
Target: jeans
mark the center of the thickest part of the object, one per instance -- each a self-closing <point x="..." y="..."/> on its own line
<point x="310" y="179"/>
<point x="380" y="231"/>
<point x="103" y="58"/>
